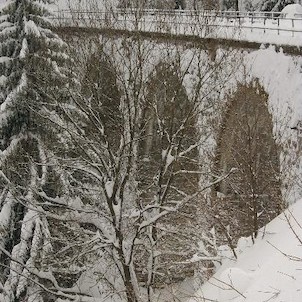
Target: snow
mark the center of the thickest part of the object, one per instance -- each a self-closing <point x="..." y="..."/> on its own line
<point x="168" y="158"/>
<point x="4" y="3"/>
<point x="24" y="49"/>
<point x="78" y="4"/>
<point x="5" y="60"/>
<point x="292" y="10"/>
<point x="109" y="185"/>
<point x="281" y="77"/>
<point x="5" y="24"/>
<point x="31" y="28"/>
<point x="3" y="80"/>
<point x="4" y="107"/>
<point x="5" y="216"/>
<point x="269" y="270"/>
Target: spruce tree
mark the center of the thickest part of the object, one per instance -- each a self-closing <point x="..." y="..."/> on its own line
<point x="273" y="5"/>
<point x="34" y="84"/>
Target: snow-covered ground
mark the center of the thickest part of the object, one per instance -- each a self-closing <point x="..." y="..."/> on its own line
<point x="269" y="270"/>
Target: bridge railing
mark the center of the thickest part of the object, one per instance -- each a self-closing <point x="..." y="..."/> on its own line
<point x="187" y="22"/>
<point x="161" y="12"/>
<point x="215" y="13"/>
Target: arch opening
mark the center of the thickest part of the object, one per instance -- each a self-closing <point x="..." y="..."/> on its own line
<point x="168" y="128"/>
<point x="250" y="197"/>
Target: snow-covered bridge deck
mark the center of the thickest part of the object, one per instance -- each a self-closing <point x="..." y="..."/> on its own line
<point x="260" y="27"/>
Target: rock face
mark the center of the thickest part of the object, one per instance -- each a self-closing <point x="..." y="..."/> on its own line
<point x="250" y="197"/>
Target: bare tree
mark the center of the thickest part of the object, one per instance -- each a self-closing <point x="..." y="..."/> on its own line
<point x="126" y="192"/>
<point x="135" y="162"/>
<point x="247" y="144"/>
<point x="202" y="4"/>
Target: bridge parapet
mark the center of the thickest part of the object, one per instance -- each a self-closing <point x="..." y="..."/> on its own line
<point x="261" y="27"/>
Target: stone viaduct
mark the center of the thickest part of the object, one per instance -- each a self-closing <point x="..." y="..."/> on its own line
<point x="233" y="109"/>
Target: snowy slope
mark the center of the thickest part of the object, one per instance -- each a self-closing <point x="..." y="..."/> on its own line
<point x="269" y="270"/>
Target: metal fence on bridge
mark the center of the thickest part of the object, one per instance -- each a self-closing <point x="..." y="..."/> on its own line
<point x="185" y="22"/>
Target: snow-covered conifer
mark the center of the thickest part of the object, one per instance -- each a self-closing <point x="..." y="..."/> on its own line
<point x="273" y="5"/>
<point x="34" y="84"/>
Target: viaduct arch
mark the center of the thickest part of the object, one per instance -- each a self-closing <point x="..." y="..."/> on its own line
<point x="251" y="196"/>
<point x="222" y="73"/>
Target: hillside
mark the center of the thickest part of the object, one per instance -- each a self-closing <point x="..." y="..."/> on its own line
<point x="269" y="270"/>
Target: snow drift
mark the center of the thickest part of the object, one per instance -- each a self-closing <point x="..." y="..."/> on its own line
<point x="269" y="270"/>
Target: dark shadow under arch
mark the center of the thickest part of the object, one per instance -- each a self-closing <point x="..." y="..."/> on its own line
<point x="250" y="197"/>
<point x="100" y="88"/>
<point x="169" y="123"/>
